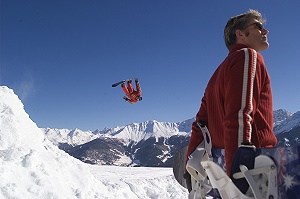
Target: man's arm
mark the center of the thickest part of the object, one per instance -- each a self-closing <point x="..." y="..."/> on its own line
<point x="239" y="103"/>
<point x="196" y="136"/>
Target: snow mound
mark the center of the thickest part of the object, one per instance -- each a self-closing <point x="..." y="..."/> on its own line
<point x="14" y="122"/>
<point x="31" y="166"/>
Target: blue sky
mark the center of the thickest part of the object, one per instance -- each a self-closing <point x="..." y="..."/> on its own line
<point x="61" y="56"/>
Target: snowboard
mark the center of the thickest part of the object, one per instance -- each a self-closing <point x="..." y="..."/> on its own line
<point x="120" y="82"/>
<point x="287" y="159"/>
<point x="179" y="166"/>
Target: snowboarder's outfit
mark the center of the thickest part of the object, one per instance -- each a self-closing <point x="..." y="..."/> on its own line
<point x="237" y="105"/>
<point x="133" y="96"/>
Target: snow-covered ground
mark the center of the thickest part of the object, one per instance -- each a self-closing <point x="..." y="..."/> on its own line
<point x="32" y="167"/>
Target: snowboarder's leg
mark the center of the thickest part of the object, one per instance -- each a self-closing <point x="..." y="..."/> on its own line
<point x="129" y="85"/>
<point x="124" y="88"/>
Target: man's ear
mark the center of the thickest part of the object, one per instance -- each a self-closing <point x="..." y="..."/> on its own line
<point x="239" y="34"/>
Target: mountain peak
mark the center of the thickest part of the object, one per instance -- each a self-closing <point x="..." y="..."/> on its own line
<point x="281" y="115"/>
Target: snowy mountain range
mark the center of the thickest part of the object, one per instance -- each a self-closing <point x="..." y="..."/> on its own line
<point x="133" y="132"/>
<point x="150" y="143"/>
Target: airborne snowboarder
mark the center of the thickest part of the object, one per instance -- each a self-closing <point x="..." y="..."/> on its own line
<point x="133" y="96"/>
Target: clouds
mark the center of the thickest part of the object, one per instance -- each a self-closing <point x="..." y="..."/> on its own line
<point x="25" y="87"/>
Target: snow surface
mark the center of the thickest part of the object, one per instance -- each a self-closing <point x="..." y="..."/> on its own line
<point x="32" y="167"/>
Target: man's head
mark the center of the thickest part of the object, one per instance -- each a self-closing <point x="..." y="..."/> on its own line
<point x="246" y="29"/>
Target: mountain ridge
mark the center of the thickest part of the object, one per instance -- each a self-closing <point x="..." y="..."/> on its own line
<point x="283" y="122"/>
<point x="131" y="132"/>
<point x="150" y="143"/>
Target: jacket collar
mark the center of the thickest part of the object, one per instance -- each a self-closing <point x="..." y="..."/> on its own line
<point x="236" y="47"/>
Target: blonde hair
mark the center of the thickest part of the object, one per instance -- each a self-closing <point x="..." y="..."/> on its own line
<point x="239" y="22"/>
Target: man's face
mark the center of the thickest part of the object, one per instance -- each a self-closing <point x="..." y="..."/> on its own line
<point x="256" y="36"/>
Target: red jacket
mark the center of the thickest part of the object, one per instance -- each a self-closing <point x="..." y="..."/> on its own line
<point x="134" y="95"/>
<point x="237" y="104"/>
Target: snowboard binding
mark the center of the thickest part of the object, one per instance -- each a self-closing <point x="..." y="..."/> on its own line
<point x="207" y="175"/>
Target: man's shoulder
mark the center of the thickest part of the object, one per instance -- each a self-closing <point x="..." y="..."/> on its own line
<point x="243" y="52"/>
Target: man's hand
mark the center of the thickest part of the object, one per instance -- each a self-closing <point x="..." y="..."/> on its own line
<point x="245" y="155"/>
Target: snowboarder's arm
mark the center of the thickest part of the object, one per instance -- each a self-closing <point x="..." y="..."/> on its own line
<point x="131" y="101"/>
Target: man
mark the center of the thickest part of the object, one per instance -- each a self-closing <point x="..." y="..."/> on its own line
<point x="237" y="103"/>
<point x="133" y="95"/>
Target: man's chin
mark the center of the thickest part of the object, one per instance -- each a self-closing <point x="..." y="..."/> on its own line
<point x="264" y="46"/>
